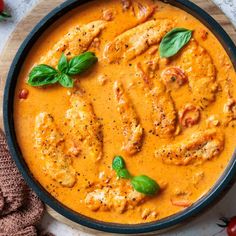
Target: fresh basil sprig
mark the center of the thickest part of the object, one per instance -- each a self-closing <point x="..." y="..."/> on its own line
<point x="65" y="80"/>
<point x="145" y="185"/>
<point x="124" y="174"/>
<point x="80" y="64"/>
<point x="118" y="165"/>
<point x="42" y="75"/>
<point x="142" y="183"/>
<point x="63" y="64"/>
<point x="174" y="41"/>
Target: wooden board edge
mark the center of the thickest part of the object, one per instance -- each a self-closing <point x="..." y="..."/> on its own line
<point x="24" y="27"/>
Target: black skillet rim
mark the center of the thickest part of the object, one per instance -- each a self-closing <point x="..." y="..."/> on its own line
<point x="212" y="196"/>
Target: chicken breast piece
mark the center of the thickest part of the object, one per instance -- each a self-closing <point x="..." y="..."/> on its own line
<point x="114" y="198"/>
<point x="132" y="129"/>
<point x="200" y="70"/>
<point x="229" y="110"/>
<point x="164" y="114"/>
<point x="137" y="40"/>
<point x="84" y="127"/>
<point x="199" y="147"/>
<point x="76" y="41"/>
<point x="49" y="143"/>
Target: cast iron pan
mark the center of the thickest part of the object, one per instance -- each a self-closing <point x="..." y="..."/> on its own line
<point x="214" y="194"/>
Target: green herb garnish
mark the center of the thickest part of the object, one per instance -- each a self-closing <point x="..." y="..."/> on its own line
<point x="142" y="183"/>
<point x="124" y="174"/>
<point x="4" y="15"/>
<point x="118" y="163"/>
<point x="173" y="41"/>
<point x="80" y="64"/>
<point x="42" y="75"/>
<point x="65" y="80"/>
<point x="145" y="185"/>
<point x="63" y="64"/>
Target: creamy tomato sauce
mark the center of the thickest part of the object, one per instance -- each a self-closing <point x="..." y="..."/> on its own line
<point x="171" y="119"/>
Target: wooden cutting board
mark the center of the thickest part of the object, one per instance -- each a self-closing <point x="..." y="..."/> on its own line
<point x="37" y="13"/>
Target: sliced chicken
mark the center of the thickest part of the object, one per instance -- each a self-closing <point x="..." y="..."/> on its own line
<point x="84" y="127"/>
<point x="197" y="64"/>
<point x="114" y="198"/>
<point x="230" y="110"/>
<point x="201" y="146"/>
<point x="132" y="129"/>
<point x="50" y="145"/>
<point x="164" y="114"/>
<point x="76" y="41"/>
<point x="137" y="40"/>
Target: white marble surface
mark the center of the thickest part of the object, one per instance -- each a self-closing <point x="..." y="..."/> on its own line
<point x="204" y="225"/>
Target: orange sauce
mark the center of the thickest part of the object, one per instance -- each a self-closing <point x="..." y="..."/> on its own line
<point x="55" y="100"/>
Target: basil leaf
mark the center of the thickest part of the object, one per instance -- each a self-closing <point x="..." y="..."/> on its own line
<point x="124" y="174"/>
<point x="63" y="64"/>
<point x="118" y="163"/>
<point x="81" y="63"/>
<point x="46" y="75"/>
<point x="174" y="41"/>
<point x="42" y="75"/>
<point x="65" y="80"/>
<point x="5" y="14"/>
<point x="145" y="185"/>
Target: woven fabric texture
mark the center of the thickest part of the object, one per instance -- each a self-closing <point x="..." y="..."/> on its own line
<point x="20" y="208"/>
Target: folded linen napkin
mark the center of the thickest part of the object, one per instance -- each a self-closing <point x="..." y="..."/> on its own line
<point x="20" y="208"/>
